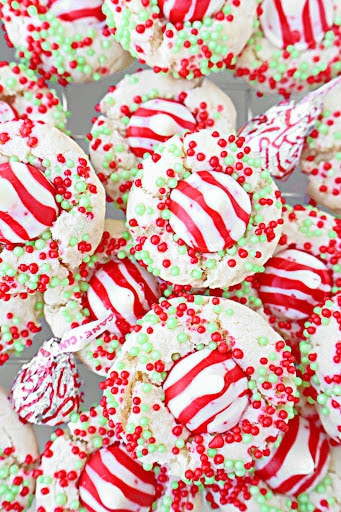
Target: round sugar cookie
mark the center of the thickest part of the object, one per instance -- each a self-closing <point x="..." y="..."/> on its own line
<point x="19" y="322"/>
<point x="146" y="109"/>
<point x="302" y="273"/>
<point x="51" y="207"/>
<point x="321" y="359"/>
<point x="297" y="469"/>
<point x="203" y="212"/>
<point x="186" y="39"/>
<point x="256" y="496"/>
<point x="295" y="48"/>
<point x="84" y="468"/>
<point x="19" y="454"/>
<point x="63" y="40"/>
<point x="321" y="155"/>
<point x="111" y="281"/>
<point x="204" y="388"/>
<point x="24" y="95"/>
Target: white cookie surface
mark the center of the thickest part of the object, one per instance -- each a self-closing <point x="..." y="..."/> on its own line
<point x="178" y="330"/>
<point x="71" y="50"/>
<point x="186" y="49"/>
<point x="18" y="457"/>
<point x="110" y="151"/>
<point x="64" y="169"/>
<point x="206" y="233"/>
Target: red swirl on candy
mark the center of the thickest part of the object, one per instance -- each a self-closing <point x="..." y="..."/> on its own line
<point x="86" y="11"/>
<point x="300" y="461"/>
<point x="293" y="283"/>
<point x="7" y="113"/>
<point x="189" y="10"/>
<point x="124" y="288"/>
<point x="207" y="391"/>
<point x="27" y="202"/>
<point x="209" y="211"/>
<point x="302" y="24"/>
<point x="47" y="388"/>
<point x="112" y="482"/>
<point x="155" y="121"/>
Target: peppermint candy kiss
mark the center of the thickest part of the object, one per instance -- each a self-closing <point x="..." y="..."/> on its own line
<point x="112" y="481"/>
<point x="47" y="389"/>
<point x="86" y="11"/>
<point x="7" y="113"/>
<point x="209" y="211"/>
<point x="302" y="24"/>
<point x="124" y="288"/>
<point x="189" y="10"/>
<point x="293" y="283"/>
<point x="27" y="202"/>
<point x="207" y="391"/>
<point x="300" y="461"/>
<point x="156" y="121"/>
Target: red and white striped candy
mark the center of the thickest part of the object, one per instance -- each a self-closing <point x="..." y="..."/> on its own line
<point x="155" y="121"/>
<point x="209" y="211"/>
<point x="86" y="11"/>
<point x="293" y="283"/>
<point x="126" y="289"/>
<point x="7" y="113"/>
<point x="300" y="461"/>
<point x="177" y="11"/>
<point x="112" y="481"/>
<point x="302" y="24"/>
<point x="27" y="202"/>
<point x="207" y="391"/>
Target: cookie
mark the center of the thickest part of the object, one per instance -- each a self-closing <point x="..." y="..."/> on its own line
<point x="19" y="456"/>
<point x="302" y="273"/>
<point x="193" y="384"/>
<point x="188" y="39"/>
<point x="109" y="281"/>
<point x="52" y="207"/>
<point x="62" y="41"/>
<point x="203" y="212"/>
<point x="19" y="320"/>
<point x="83" y="468"/>
<point x="300" y="461"/>
<point x="145" y="109"/>
<point x="294" y="475"/>
<point x="24" y="95"/>
<point x="295" y="47"/>
<point x="321" y="159"/>
<point x="320" y="357"/>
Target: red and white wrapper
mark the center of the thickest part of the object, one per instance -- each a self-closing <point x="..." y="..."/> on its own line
<point x="277" y="136"/>
<point x="46" y="391"/>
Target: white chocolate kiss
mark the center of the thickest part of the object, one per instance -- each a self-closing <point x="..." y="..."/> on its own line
<point x="301" y="23"/>
<point x="27" y="202"/>
<point x="207" y="392"/>
<point x="209" y="211"/>
<point x="293" y="283"/>
<point x="185" y="10"/>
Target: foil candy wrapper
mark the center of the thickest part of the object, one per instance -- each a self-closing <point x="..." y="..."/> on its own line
<point x="278" y="135"/>
<point x="46" y="391"/>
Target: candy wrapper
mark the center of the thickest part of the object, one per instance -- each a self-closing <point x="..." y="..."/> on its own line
<point x="277" y="136"/>
<point x="47" y="389"/>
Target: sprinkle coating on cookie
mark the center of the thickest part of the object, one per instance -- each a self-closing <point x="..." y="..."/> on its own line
<point x="203" y="212"/>
<point x="149" y="372"/>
